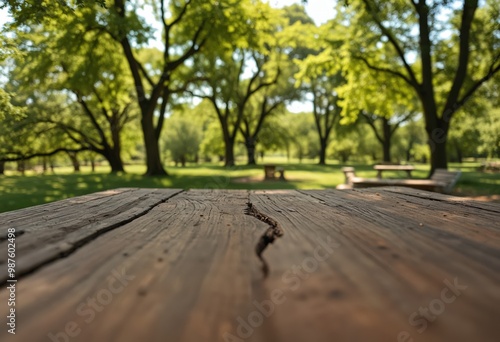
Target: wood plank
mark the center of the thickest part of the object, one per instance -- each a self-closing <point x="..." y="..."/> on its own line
<point x="456" y="201"/>
<point x="193" y="265"/>
<point x="22" y="216"/>
<point x="381" y="273"/>
<point x="447" y="216"/>
<point x="60" y="231"/>
<point x="195" y="273"/>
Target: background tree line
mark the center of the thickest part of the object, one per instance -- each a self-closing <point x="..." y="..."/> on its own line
<point x="408" y="80"/>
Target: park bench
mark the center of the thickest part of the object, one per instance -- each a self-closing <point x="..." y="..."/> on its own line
<point x="385" y="167"/>
<point x="490" y="166"/>
<point x="271" y="170"/>
<point x="441" y="181"/>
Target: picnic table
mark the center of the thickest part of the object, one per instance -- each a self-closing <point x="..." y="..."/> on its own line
<point x="382" y="167"/>
<point x="382" y="264"/>
<point x="270" y="172"/>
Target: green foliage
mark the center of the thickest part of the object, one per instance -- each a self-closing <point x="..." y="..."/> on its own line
<point x="82" y="71"/>
<point x="27" y="12"/>
<point x="7" y="109"/>
<point x="442" y="51"/>
<point x="182" y="139"/>
<point x="213" y="141"/>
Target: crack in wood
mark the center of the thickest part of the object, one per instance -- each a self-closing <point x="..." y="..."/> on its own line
<point x="272" y="233"/>
<point x="67" y="248"/>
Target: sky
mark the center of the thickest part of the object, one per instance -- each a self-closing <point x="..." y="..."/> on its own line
<point x="320" y="10"/>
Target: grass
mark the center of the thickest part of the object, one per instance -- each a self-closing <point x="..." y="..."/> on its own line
<point x="18" y="191"/>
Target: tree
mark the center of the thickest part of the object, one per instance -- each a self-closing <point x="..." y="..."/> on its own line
<point x="443" y="50"/>
<point x="272" y="99"/>
<point x="385" y="129"/>
<point x="321" y="78"/>
<point x="233" y="73"/>
<point x="186" y="26"/>
<point x="383" y="102"/>
<point x="256" y="115"/>
<point x="410" y="140"/>
<point x="297" y="131"/>
<point x="151" y="88"/>
<point x="24" y="138"/>
<point x="182" y="139"/>
<point x="76" y="71"/>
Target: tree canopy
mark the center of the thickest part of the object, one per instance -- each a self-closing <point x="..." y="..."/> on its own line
<point x="89" y="75"/>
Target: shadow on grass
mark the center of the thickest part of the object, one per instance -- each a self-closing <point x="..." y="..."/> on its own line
<point x="23" y="191"/>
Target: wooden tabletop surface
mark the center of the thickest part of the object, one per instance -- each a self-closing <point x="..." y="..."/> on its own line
<point x="384" y="264"/>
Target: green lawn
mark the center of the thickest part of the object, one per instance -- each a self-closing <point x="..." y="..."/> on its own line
<point x="18" y="191"/>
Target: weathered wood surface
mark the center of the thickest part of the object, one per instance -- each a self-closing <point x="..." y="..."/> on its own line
<point x="49" y="231"/>
<point x="351" y="266"/>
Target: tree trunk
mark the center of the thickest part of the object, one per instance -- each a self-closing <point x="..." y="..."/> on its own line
<point x="74" y="160"/>
<point x="250" y="145"/>
<point x="459" y="152"/>
<point x="439" y="157"/>
<point x="115" y="158"/>
<point x="229" y="153"/>
<point x="44" y="164"/>
<point x="437" y="132"/>
<point x="386" y="144"/>
<point x="228" y="146"/>
<point x="21" y="166"/>
<point x="344" y="157"/>
<point x="2" y="167"/>
<point x="153" y="161"/>
<point x="322" y="152"/>
<point x="408" y="151"/>
<point x="115" y="161"/>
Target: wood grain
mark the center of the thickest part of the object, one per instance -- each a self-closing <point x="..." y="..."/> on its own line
<point x="54" y="231"/>
<point x="350" y="266"/>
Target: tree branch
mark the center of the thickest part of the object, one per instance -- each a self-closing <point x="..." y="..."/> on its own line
<point x="394" y="42"/>
<point x="371" y="122"/>
<point x="144" y="72"/>
<point x="181" y="15"/>
<point x="387" y="70"/>
<point x="163" y="108"/>
<point x="40" y="154"/>
<point x="463" y="58"/>
<point x="89" y="113"/>
<point x="129" y="55"/>
<point x="403" y="119"/>
<point x="195" y="47"/>
<point x="492" y="71"/>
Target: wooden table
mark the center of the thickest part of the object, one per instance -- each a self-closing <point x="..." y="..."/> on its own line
<point x="381" y="168"/>
<point x="270" y="172"/>
<point x="385" y="264"/>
